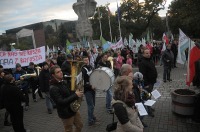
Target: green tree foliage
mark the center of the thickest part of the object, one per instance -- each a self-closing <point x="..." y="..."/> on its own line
<point x="185" y="14"/>
<point x="136" y="18"/>
<point x="103" y="14"/>
<point x="62" y="35"/>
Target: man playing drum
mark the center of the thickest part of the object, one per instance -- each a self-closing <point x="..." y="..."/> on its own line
<point x="89" y="91"/>
<point x="105" y="63"/>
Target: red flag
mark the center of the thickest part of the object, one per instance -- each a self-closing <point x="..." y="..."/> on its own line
<point x="165" y="39"/>
<point x="193" y="57"/>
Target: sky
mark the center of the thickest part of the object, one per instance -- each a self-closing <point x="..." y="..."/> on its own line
<point x="16" y="13"/>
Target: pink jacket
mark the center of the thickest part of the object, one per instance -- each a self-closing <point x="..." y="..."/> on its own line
<point x="119" y="62"/>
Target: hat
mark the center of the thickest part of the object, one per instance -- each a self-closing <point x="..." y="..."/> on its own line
<point x="18" y="65"/>
<point x="44" y="63"/>
<point x="31" y="63"/>
<point x="69" y="56"/>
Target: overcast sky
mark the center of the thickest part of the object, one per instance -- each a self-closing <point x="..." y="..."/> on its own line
<point x="16" y="13"/>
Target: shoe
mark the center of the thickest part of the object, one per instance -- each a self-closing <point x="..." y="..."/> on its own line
<point x="151" y="114"/>
<point x="175" y="67"/>
<point x="54" y="106"/>
<point x="96" y="120"/>
<point x="152" y="109"/>
<point x="169" y="80"/>
<point x="110" y="111"/>
<point x="145" y="125"/>
<point x="35" y="100"/>
<point x="6" y="123"/>
<point x="49" y="111"/>
<point x="164" y="81"/>
<point x="26" y="108"/>
<point x="42" y="98"/>
<point x="93" y="123"/>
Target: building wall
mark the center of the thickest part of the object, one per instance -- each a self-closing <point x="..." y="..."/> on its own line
<point x="39" y="38"/>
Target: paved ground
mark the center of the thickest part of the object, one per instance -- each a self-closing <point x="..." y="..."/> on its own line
<point x="38" y="120"/>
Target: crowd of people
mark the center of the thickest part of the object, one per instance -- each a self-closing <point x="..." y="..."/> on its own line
<point x="51" y="80"/>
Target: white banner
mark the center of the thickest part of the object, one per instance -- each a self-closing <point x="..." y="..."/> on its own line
<point x="8" y="59"/>
<point x="119" y="44"/>
<point x="182" y="46"/>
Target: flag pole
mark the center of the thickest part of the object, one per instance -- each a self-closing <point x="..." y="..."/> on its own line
<point x="118" y="20"/>
<point x="109" y="21"/>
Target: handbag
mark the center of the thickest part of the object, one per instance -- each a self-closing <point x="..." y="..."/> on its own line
<point x="112" y="126"/>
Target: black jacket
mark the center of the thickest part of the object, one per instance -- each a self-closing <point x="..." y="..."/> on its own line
<point x="87" y="86"/>
<point x="148" y="69"/>
<point x="12" y="96"/>
<point x="168" y="55"/>
<point x="44" y="79"/>
<point x="63" y="97"/>
<point x="107" y="64"/>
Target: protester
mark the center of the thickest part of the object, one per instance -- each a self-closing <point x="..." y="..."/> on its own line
<point x="105" y="63"/>
<point x="148" y="69"/>
<point x="123" y="103"/>
<point x="89" y="91"/>
<point x="63" y="97"/>
<point x="6" y="122"/>
<point x="168" y="61"/>
<point x="12" y="99"/>
<point x="44" y="79"/>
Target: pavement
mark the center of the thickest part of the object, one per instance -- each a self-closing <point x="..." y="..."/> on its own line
<point x="38" y="120"/>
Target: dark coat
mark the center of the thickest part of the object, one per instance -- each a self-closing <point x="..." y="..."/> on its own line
<point x="168" y="55"/>
<point x="148" y="69"/>
<point x="63" y="97"/>
<point x="87" y="86"/>
<point x="44" y="79"/>
<point x="12" y="96"/>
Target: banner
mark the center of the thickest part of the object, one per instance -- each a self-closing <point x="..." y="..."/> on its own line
<point x="8" y="59"/>
<point x="119" y="44"/>
<point x="182" y="46"/>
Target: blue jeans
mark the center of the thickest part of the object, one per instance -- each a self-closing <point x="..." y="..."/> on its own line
<point x="48" y="101"/>
<point x="108" y="99"/>
<point x="90" y="99"/>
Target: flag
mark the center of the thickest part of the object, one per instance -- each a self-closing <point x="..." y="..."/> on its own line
<point x="47" y="53"/>
<point x="130" y="40"/>
<point x="125" y="42"/>
<point x="54" y="49"/>
<point x="163" y="47"/>
<point x="148" y="36"/>
<point x="193" y="56"/>
<point x="165" y="39"/>
<point x="103" y="41"/>
<point x="68" y="46"/>
<point x="12" y="48"/>
<point x="118" y="12"/>
<point x="182" y="46"/>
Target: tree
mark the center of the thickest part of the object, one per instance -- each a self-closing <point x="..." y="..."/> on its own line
<point x="62" y="35"/>
<point x="185" y="14"/>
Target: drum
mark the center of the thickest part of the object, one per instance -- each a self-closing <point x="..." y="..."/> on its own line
<point x="102" y="78"/>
